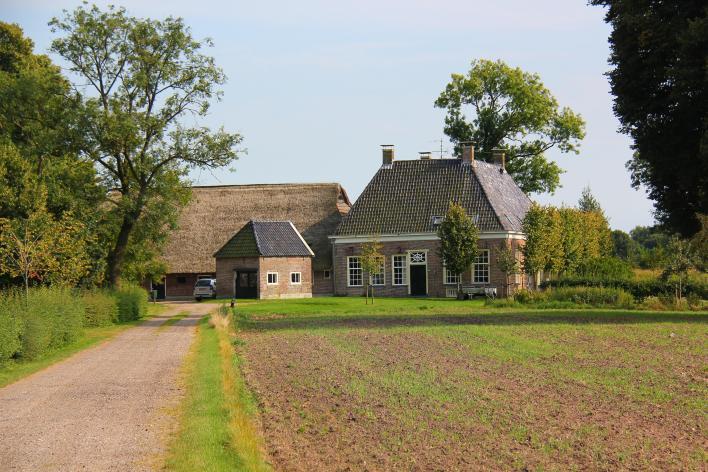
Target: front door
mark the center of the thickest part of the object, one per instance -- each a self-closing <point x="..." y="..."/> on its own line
<point x="419" y="285"/>
<point x="246" y="284"/>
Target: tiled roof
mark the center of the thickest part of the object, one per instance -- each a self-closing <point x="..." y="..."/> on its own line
<point x="404" y="198"/>
<point x="266" y="238"/>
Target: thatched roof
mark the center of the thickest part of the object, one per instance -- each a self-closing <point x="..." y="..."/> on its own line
<point x="216" y="213"/>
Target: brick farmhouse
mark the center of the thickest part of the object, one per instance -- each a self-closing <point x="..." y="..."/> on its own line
<point x="403" y="205"/>
<point x="216" y="213"/>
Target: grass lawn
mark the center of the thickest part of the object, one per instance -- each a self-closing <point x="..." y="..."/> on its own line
<point x="13" y="371"/>
<point x="217" y="432"/>
<point x="445" y="385"/>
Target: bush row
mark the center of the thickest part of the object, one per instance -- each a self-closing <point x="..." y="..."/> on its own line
<point x="606" y="297"/>
<point x="640" y="289"/>
<point x="48" y="318"/>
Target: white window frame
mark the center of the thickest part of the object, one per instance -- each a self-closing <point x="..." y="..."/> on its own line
<point x="382" y="273"/>
<point x="275" y="282"/>
<point x="449" y="278"/>
<point x="475" y="280"/>
<point x="403" y="267"/>
<point x="359" y="270"/>
<point x="299" y="278"/>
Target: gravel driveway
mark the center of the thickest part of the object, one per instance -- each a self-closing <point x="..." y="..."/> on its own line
<point x="109" y="407"/>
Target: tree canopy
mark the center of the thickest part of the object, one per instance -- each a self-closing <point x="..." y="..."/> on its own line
<point x="498" y="106"/>
<point x="458" y="240"/>
<point x="659" y="54"/>
<point x="144" y="79"/>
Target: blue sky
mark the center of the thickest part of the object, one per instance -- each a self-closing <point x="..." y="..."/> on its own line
<point x="316" y="86"/>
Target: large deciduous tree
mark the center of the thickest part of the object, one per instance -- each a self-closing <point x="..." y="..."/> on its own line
<point x="459" y="237"/>
<point x="498" y="106"/>
<point x="660" y="83"/>
<point x="140" y="80"/>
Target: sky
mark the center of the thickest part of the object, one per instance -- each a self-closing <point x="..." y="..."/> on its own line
<point x="316" y="86"/>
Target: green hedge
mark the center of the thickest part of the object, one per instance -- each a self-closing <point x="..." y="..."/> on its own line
<point x="640" y="289"/>
<point x="132" y="303"/>
<point x="101" y="308"/>
<point x="567" y="297"/>
<point x="51" y="317"/>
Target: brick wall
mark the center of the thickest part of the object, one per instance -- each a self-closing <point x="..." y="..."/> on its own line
<point x="182" y="285"/>
<point x="225" y="273"/>
<point x="225" y="268"/>
<point x="321" y="285"/>
<point x="436" y="285"/>
<point x="284" y="266"/>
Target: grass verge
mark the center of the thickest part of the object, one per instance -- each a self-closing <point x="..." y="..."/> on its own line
<point x="174" y="319"/>
<point x="217" y="430"/>
<point x="14" y="370"/>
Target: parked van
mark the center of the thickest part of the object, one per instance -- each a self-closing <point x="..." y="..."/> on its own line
<point x="205" y="288"/>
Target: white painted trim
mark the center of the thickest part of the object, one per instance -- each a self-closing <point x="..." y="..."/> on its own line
<point x="408" y="259"/>
<point x="301" y="238"/>
<point x="445" y="282"/>
<point x="291" y="278"/>
<point x="405" y="268"/>
<point x="360" y="268"/>
<point x="419" y="237"/>
<point x="489" y="268"/>
<point x="277" y="277"/>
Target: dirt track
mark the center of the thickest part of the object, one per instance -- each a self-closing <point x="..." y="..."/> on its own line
<point x="105" y="408"/>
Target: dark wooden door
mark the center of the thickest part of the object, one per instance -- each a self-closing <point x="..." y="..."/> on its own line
<point x="419" y="285"/>
<point x="160" y="288"/>
<point x="246" y="284"/>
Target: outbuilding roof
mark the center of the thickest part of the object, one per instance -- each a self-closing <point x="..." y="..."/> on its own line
<point x="216" y="213"/>
<point x="406" y="196"/>
<point x="267" y="239"/>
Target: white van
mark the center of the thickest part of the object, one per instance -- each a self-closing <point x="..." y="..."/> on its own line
<point x="204" y="288"/>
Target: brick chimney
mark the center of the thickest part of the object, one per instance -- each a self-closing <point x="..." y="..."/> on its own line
<point x="467" y="153"/>
<point x="387" y="154"/>
<point x="499" y="158"/>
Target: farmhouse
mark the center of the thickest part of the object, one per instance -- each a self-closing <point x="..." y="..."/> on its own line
<point x="403" y="205"/>
<point x="216" y="213"/>
<point x="266" y="259"/>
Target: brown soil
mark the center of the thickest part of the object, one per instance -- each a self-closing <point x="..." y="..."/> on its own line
<point x="363" y="399"/>
<point x="103" y="408"/>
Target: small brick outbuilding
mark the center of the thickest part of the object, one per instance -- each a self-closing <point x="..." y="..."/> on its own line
<point x="265" y="259"/>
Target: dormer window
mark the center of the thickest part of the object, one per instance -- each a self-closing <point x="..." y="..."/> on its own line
<point x="437" y="221"/>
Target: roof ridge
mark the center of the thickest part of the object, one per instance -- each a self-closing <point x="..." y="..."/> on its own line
<point x="287" y="184"/>
<point x="255" y="236"/>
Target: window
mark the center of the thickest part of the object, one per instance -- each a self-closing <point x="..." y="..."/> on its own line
<point x="418" y="257"/>
<point x="327" y="274"/>
<point x="295" y="278"/>
<point x="181" y="280"/>
<point x="272" y="278"/>
<point x="204" y="283"/>
<point x="449" y="278"/>
<point x="379" y="277"/>
<point x="480" y="271"/>
<point x="399" y="270"/>
<point x="437" y="221"/>
<point x="354" y="272"/>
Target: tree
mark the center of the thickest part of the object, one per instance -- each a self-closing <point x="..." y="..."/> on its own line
<point x="624" y="247"/>
<point x="372" y="263"/>
<point x="145" y="78"/>
<point x="659" y="53"/>
<point x="588" y="202"/>
<point x="507" y="262"/>
<point x="679" y="262"/>
<point x="42" y="249"/>
<point x="511" y="109"/>
<point x="459" y="237"/>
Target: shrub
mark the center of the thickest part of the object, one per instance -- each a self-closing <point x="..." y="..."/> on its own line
<point x="592" y="296"/>
<point x="9" y="327"/>
<point x="51" y="318"/>
<point x="132" y="303"/>
<point x="530" y="296"/>
<point x="640" y="289"/>
<point x="101" y="308"/>
<point x="652" y="303"/>
<point x="604" y="269"/>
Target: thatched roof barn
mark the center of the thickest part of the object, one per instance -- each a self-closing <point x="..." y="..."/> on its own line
<point x="216" y="213"/>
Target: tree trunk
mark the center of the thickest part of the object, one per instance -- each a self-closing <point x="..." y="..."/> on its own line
<point x="117" y="254"/>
